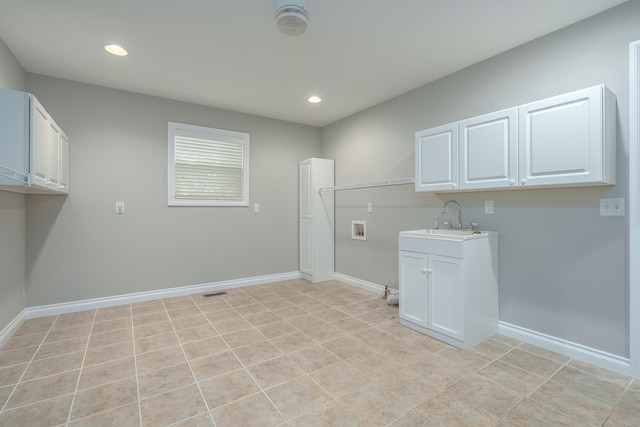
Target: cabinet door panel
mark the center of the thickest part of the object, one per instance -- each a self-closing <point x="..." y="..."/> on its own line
<point x="305" y="189"/>
<point x="561" y="138"/>
<point x="306" y="246"/>
<point x="413" y="287"/>
<point x="437" y="158"/>
<point x="488" y="150"/>
<point x="64" y="163"/>
<point x="41" y="145"/>
<point x="54" y="155"/>
<point x="446" y="296"/>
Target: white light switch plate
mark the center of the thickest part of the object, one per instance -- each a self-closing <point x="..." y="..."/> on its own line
<point x="256" y="207"/>
<point x="120" y="207"/>
<point x="369" y="207"/>
<point x="612" y="207"/>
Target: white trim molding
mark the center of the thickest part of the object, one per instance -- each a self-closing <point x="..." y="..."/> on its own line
<point x="634" y="208"/>
<point x="362" y="284"/>
<point x="12" y="327"/>
<point x="90" y="304"/>
<point x="570" y="349"/>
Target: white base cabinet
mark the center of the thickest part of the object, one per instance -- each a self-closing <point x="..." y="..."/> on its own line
<point x="316" y="220"/>
<point x="34" y="153"/>
<point x="449" y="288"/>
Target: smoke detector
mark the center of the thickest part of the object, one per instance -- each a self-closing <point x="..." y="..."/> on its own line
<point x="291" y="17"/>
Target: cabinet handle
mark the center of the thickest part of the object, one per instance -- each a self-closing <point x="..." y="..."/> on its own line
<point x="454" y="185"/>
<point x="511" y="182"/>
<point x="523" y="181"/>
<point x="427" y="270"/>
<point x="424" y="270"/>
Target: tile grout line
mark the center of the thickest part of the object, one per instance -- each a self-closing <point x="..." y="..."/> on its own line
<point x="84" y="356"/>
<point x="316" y="296"/>
<point x="4" y="407"/>
<point x="135" y="364"/>
<point x="184" y="354"/>
<point x="244" y="367"/>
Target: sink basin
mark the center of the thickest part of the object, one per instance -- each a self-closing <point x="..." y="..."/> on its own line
<point x="444" y="233"/>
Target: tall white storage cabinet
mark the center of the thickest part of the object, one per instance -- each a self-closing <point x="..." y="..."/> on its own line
<point x="316" y="218"/>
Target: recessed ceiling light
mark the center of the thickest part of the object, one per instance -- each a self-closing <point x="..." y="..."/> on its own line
<point x="314" y="99"/>
<point x="116" y="50"/>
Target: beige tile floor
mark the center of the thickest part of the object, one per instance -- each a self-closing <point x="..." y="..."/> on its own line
<point x="289" y="354"/>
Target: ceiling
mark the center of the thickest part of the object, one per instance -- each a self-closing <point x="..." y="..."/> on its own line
<point x="229" y="54"/>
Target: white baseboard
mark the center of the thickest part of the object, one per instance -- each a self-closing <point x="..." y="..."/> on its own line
<point x="570" y="349"/>
<point x="362" y="284"/>
<point x="90" y="304"/>
<point x="12" y="327"/>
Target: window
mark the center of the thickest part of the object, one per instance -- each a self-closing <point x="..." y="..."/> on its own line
<point x="207" y="167"/>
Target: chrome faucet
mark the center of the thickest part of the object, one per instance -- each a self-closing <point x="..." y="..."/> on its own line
<point x="444" y="208"/>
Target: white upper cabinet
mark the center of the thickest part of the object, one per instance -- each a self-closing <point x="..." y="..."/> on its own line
<point x="565" y="141"/>
<point x="437" y="158"/>
<point x="568" y="139"/>
<point x="34" y="153"/>
<point x="488" y="150"/>
<point x="63" y="184"/>
<point x="41" y="143"/>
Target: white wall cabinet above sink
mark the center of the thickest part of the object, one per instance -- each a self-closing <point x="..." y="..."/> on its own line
<point x="437" y="158"/>
<point x="564" y="141"/>
<point x="568" y="139"/>
<point x="34" y="150"/>
<point x="489" y="151"/>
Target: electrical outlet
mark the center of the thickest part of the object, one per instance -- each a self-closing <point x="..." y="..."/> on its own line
<point x="612" y="207"/>
<point x="369" y="207"/>
<point x="488" y="207"/>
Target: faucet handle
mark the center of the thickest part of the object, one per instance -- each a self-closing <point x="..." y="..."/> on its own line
<point x="446" y="224"/>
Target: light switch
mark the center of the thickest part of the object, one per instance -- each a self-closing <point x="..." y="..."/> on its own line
<point x="256" y="207"/>
<point x="120" y="207"/>
<point x="488" y="207"/>
<point x="612" y="207"/>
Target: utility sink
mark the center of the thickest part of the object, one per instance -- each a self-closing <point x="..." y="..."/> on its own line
<point x="445" y="233"/>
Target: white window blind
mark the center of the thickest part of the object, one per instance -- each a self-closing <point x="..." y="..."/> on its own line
<point x="208" y="167"/>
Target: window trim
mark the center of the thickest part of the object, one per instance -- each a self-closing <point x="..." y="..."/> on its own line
<point x="208" y="133"/>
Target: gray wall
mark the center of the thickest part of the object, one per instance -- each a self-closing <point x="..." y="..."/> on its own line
<point x="563" y="268"/>
<point x="12" y="217"/>
<point x="79" y="248"/>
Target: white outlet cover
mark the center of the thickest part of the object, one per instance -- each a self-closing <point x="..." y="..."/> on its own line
<point x="488" y="207"/>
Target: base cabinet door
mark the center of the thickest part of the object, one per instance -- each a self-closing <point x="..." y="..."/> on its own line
<point x="413" y="287"/>
<point x="446" y="296"/>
